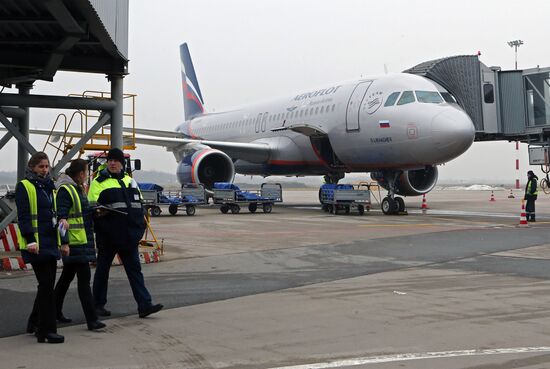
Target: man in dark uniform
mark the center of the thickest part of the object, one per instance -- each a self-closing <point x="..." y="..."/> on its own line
<point x="119" y="226"/>
<point x="531" y="193"/>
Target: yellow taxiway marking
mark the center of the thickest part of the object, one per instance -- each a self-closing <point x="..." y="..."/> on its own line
<point x="400" y="225"/>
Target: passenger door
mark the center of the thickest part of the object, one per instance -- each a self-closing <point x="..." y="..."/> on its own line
<point x="354" y="103"/>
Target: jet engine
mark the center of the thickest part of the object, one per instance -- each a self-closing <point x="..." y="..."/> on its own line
<point x="410" y="182"/>
<point x="206" y="166"/>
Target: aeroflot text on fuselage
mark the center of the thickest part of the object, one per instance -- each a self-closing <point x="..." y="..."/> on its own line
<point x="324" y="91"/>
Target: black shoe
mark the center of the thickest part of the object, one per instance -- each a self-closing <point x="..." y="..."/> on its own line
<point x="150" y="310"/>
<point x="31" y="327"/>
<point x="63" y="319"/>
<point x="94" y="326"/>
<point x="50" y="338"/>
<point x="101" y="311"/>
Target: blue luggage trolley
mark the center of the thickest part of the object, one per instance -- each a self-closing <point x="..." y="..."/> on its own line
<point x="230" y="197"/>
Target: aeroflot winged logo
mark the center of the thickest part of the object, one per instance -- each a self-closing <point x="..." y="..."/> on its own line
<point x="323" y="92"/>
<point x="374" y="100"/>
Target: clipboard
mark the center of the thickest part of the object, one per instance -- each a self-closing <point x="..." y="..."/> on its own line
<point x="103" y="207"/>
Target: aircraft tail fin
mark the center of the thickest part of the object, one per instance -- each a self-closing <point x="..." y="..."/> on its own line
<point x="192" y="97"/>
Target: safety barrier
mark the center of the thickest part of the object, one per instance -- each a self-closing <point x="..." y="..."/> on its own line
<point x="10" y="259"/>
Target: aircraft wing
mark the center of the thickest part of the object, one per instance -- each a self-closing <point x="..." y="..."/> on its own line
<point x="175" y="141"/>
<point x="252" y="152"/>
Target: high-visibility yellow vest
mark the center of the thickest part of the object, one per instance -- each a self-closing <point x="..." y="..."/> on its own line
<point x="77" y="230"/>
<point x="33" y="204"/>
<point x="536" y="192"/>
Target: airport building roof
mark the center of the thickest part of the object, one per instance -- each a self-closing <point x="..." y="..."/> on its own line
<point x="38" y="38"/>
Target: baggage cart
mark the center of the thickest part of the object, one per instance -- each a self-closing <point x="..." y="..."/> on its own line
<point x="231" y="198"/>
<point x="154" y="198"/>
<point x="345" y="197"/>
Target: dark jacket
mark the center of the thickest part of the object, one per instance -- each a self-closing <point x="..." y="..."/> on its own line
<point x="120" y="191"/>
<point x="47" y="232"/>
<point x="78" y="253"/>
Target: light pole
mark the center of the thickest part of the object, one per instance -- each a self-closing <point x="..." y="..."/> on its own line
<point x="515" y="44"/>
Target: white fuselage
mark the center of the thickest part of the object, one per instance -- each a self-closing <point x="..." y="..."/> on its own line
<point x="354" y="123"/>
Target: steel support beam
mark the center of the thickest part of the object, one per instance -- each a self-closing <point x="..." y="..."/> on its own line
<point x="23" y="125"/>
<point x="103" y="119"/>
<point x="12" y="112"/>
<point x="5" y="139"/>
<point x="118" y="111"/>
<point x="59" y="102"/>
<point x="8" y="219"/>
<point x="15" y="132"/>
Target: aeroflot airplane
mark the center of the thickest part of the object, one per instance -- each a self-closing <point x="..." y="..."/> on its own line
<point x="398" y="127"/>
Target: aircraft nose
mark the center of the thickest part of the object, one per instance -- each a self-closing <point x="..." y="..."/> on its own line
<point x="453" y="132"/>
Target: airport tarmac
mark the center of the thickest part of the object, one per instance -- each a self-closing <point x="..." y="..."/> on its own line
<point x="459" y="287"/>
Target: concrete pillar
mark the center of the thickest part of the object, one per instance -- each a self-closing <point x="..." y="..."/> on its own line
<point x="23" y="124"/>
<point x="117" y="91"/>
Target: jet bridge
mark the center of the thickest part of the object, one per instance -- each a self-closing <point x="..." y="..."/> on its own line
<point x="511" y="105"/>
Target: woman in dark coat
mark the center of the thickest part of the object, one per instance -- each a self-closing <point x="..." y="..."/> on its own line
<point x="38" y="242"/>
<point x="77" y="243"/>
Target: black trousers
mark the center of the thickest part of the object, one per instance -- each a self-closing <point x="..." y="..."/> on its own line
<point x="132" y="267"/>
<point x="43" y="312"/>
<point x="83" y="275"/>
<point x="530" y="208"/>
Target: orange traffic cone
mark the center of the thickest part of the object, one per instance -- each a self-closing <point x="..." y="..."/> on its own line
<point x="511" y="195"/>
<point x="523" y="218"/>
<point x="424" y="204"/>
<point x="492" y="197"/>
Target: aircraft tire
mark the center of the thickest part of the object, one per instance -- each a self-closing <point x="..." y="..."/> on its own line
<point x="400" y="204"/>
<point x="389" y="206"/>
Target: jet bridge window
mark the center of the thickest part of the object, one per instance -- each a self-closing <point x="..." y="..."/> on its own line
<point x="488" y="93"/>
<point x="392" y="99"/>
<point x="429" y="97"/>
<point x="406" y="98"/>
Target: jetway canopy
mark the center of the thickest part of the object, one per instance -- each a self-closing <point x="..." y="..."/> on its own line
<point x="38" y="38"/>
<point x="504" y="105"/>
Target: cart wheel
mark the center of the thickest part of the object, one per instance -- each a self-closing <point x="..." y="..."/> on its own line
<point x="252" y="207"/>
<point x="190" y="210"/>
<point x="173" y="209"/>
<point x="324" y="207"/>
<point x="361" y="209"/>
<point x="267" y="207"/>
<point x="329" y="208"/>
<point x="224" y="209"/>
<point x="235" y="209"/>
<point x="347" y="209"/>
<point x="155" y="211"/>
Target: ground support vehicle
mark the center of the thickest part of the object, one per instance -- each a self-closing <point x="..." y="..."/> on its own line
<point x="154" y="198"/>
<point x="344" y="197"/>
<point x="231" y="198"/>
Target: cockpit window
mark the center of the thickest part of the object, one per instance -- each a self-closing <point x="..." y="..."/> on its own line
<point x="406" y="98"/>
<point x="448" y="98"/>
<point x="429" y="97"/>
<point x="392" y="99"/>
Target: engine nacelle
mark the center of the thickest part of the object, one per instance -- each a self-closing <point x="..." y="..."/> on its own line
<point x="206" y="166"/>
<point x="411" y="182"/>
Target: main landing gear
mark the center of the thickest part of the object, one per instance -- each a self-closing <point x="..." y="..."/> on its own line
<point x="391" y="204"/>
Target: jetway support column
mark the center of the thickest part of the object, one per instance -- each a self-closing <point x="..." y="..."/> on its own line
<point x="23" y="126"/>
<point x="117" y="88"/>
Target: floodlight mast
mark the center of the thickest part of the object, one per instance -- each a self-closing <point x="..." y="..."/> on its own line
<point x="515" y="44"/>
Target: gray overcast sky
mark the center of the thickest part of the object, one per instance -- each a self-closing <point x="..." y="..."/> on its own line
<point x="248" y="50"/>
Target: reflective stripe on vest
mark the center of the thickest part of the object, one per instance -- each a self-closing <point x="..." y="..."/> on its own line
<point x="77" y="231"/>
<point x="536" y="192"/>
<point x="33" y="204"/>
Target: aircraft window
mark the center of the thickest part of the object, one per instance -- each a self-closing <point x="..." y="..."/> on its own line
<point x="316" y="110"/>
<point x="322" y="109"/>
<point x="305" y="113"/>
<point x="448" y="98"/>
<point x="406" y="98"/>
<point x="301" y="113"/>
<point x="333" y="107"/>
<point x="311" y="111"/>
<point x="489" y="93"/>
<point x="430" y="97"/>
<point x="392" y="99"/>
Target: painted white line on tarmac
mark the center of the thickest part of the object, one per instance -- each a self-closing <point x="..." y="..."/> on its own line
<point x="416" y="356"/>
